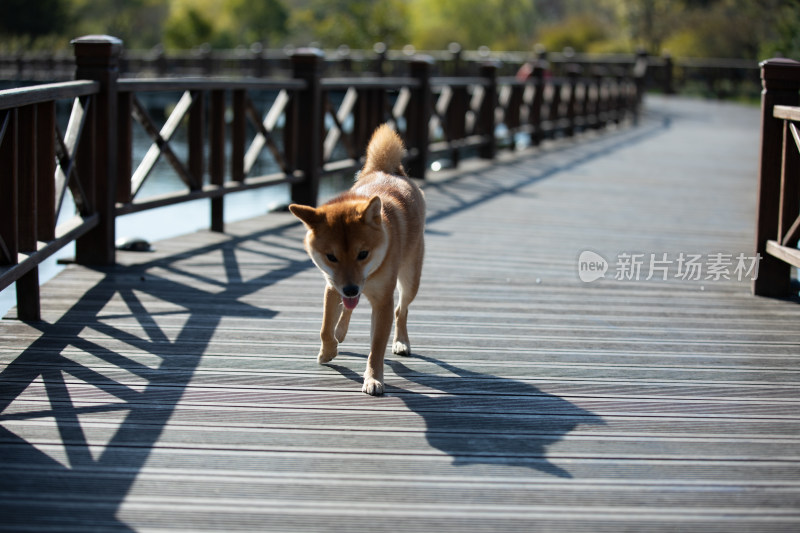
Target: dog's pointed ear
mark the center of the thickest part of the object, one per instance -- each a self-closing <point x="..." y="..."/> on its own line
<point x="372" y="213"/>
<point x="307" y="214"/>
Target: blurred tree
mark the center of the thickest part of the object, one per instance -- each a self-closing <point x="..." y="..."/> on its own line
<point x="736" y="28"/>
<point x="648" y="23"/>
<point x="225" y="24"/>
<point x="499" y="24"/>
<point x="139" y="23"/>
<point x="356" y="23"/>
<point x="749" y="29"/>
<point x="192" y="23"/>
<point x="785" y="41"/>
<point x="579" y="32"/>
<point x="725" y="28"/>
<point x="188" y="28"/>
<point x="264" y="21"/>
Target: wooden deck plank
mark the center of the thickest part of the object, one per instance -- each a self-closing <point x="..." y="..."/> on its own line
<point x="180" y="391"/>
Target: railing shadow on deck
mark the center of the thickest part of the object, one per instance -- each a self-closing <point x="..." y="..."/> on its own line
<point x="77" y="481"/>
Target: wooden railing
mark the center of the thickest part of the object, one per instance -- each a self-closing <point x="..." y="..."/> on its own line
<point x="37" y="165"/>
<point x="719" y="77"/>
<point x="778" y="223"/>
<point x="312" y="126"/>
<point x="259" y="62"/>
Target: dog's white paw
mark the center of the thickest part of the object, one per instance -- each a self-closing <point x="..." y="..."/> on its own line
<point x="326" y="355"/>
<point x="401" y="348"/>
<point x="372" y="386"/>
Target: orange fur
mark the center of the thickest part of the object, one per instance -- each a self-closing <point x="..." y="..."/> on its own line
<point x="367" y="241"/>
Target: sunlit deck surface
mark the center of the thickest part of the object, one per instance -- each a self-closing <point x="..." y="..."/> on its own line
<point x="180" y="390"/>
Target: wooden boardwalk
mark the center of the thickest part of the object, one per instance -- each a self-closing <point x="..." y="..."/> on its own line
<point x="180" y="390"/>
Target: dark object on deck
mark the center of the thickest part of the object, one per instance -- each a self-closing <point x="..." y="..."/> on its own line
<point x="133" y="244"/>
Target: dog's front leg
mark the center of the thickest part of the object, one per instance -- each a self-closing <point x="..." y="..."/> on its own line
<point x="382" y="318"/>
<point x="330" y="311"/>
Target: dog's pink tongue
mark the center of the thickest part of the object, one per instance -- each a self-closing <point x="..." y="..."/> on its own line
<point x="350" y="303"/>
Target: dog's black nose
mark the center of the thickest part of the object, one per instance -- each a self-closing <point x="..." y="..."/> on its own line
<point x="350" y="291"/>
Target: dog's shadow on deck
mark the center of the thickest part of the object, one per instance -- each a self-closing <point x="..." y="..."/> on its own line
<point x="478" y="418"/>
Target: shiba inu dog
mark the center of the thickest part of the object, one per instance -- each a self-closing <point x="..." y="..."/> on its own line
<point x="367" y="241"/>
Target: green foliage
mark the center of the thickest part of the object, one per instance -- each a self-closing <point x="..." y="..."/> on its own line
<point x="188" y="28"/>
<point x="355" y="23"/>
<point x="138" y="23"/>
<point x="499" y="24"/>
<point x="264" y="21"/>
<point x="650" y="22"/>
<point x="736" y="28"/>
<point x="225" y="24"/>
<point x="751" y="29"/>
<point x="786" y="39"/>
<point x="579" y="32"/>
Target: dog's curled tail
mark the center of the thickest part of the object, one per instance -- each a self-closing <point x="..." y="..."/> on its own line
<point x="385" y="152"/>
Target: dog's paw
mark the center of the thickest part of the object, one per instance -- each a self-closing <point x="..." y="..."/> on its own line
<point x="326" y="355"/>
<point x="401" y="348"/>
<point x="372" y="386"/>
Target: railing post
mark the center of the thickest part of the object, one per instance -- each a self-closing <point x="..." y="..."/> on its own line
<point x="640" y="68"/>
<point x="197" y="134"/>
<point x="9" y="184"/>
<point x="418" y="115"/>
<point x="455" y="63"/>
<point x="781" y="82"/>
<point x="456" y="120"/>
<point x="97" y="58"/>
<point x="238" y="134"/>
<point x="216" y="163"/>
<point x="669" y="75"/>
<point x="540" y="67"/>
<point x="367" y="116"/>
<point x="486" y="116"/>
<point x="45" y="170"/>
<point x="124" y="146"/>
<point x="600" y="116"/>
<point x="307" y="64"/>
<point x="257" y="60"/>
<point x="512" y="111"/>
<point x="573" y="71"/>
<point x="380" y="58"/>
<point x="617" y="95"/>
<point x="28" y="307"/>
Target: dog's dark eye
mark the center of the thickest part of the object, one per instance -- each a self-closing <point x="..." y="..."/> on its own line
<point x="332" y="258"/>
<point x="362" y="255"/>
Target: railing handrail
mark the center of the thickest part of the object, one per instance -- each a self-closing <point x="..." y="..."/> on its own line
<point x="23" y="96"/>
<point x="339" y="83"/>
<point x="93" y="156"/>
<point x="206" y="84"/>
<point x="785" y="112"/>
